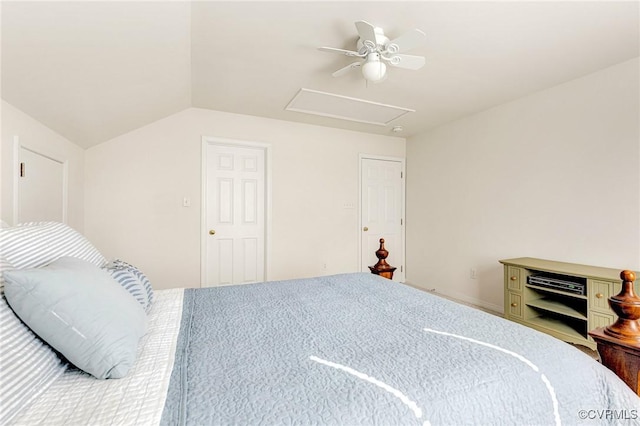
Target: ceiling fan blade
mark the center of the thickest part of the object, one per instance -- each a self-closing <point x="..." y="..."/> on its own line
<point x="407" y="41"/>
<point x="366" y="31"/>
<point x="346" y="69"/>
<point x="341" y="51"/>
<point x="409" y="62"/>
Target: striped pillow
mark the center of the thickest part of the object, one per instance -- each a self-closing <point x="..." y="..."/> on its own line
<point x="4" y="266"/>
<point x="35" y="244"/>
<point x="134" y="281"/>
<point x="28" y="364"/>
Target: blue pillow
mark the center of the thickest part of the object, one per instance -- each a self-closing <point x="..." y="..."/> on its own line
<point x="82" y="312"/>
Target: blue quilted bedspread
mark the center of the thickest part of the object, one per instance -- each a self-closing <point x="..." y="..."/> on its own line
<point x="358" y="349"/>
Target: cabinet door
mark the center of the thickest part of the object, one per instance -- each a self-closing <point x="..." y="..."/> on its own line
<point x="599" y="293"/>
<point x="514" y="278"/>
<point x="514" y="305"/>
<point x="598" y="319"/>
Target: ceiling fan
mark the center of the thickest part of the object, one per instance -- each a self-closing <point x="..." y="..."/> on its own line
<point x="377" y="51"/>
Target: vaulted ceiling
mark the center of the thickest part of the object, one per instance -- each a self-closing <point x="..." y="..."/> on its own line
<point x="94" y="70"/>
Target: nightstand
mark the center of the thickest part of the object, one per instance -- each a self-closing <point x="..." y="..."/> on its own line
<point x="619" y="343"/>
<point x="621" y="357"/>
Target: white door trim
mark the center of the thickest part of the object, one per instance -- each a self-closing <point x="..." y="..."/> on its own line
<point x="17" y="146"/>
<point x="211" y="140"/>
<point x="403" y="239"/>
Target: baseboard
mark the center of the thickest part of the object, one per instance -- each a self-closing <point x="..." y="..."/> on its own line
<point x="463" y="298"/>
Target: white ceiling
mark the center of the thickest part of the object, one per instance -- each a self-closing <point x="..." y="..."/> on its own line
<point x="94" y="70"/>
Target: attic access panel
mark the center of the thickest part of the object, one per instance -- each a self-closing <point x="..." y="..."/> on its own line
<point x="345" y="108"/>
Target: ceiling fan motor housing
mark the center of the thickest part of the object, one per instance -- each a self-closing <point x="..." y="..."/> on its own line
<point x="381" y="40"/>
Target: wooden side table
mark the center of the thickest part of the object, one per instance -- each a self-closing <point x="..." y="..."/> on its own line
<point x="621" y="357"/>
<point x="382" y="268"/>
<point x="619" y="343"/>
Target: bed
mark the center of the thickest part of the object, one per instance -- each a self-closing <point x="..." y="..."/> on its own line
<point x="343" y="349"/>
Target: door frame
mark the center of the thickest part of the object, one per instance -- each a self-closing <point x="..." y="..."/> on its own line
<point x="266" y="147"/>
<point x="17" y="147"/>
<point x="403" y="227"/>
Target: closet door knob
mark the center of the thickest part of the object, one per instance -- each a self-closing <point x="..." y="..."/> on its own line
<point x="599" y="295"/>
<point x="514" y="278"/>
<point x="212" y="232"/>
<point x="365" y="229"/>
<point x="514" y="304"/>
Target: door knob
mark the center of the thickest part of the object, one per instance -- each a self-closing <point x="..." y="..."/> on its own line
<point x="212" y="232"/>
<point x="365" y="229"/>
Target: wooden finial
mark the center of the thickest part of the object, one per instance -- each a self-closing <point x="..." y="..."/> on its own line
<point x="382" y="267"/>
<point x="382" y="253"/>
<point x="627" y="276"/>
<point x="627" y="306"/>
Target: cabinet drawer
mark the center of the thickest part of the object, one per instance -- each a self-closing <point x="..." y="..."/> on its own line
<point x="599" y="293"/>
<point x="597" y="319"/>
<point x="514" y="305"/>
<point x="514" y="278"/>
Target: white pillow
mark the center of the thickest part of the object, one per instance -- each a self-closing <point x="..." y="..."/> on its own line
<point x="80" y="311"/>
<point x="28" y="365"/>
<point x="34" y="244"/>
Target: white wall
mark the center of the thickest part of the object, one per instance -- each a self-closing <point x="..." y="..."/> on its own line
<point x="135" y="185"/>
<point x="34" y="135"/>
<point x="553" y="175"/>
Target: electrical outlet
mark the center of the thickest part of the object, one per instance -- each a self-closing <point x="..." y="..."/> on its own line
<point x="473" y="274"/>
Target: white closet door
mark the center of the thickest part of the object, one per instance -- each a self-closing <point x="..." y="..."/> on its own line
<point x="40" y="188"/>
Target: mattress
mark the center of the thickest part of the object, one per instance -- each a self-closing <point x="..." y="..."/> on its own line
<point x="358" y="349"/>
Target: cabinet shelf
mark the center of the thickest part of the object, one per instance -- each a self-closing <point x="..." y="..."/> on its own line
<point x="558" y="307"/>
<point x="558" y="326"/>
<point x="559" y="292"/>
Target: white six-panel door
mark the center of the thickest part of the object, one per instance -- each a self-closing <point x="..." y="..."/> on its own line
<point x="381" y="212"/>
<point x="235" y="215"/>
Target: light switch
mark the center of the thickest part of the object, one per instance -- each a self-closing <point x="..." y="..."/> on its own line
<point x="186" y="202"/>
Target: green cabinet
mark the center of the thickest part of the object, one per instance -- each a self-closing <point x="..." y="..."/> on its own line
<point x="566" y="314"/>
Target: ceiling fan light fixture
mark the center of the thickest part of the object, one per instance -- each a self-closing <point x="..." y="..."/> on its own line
<point x="374" y="69"/>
